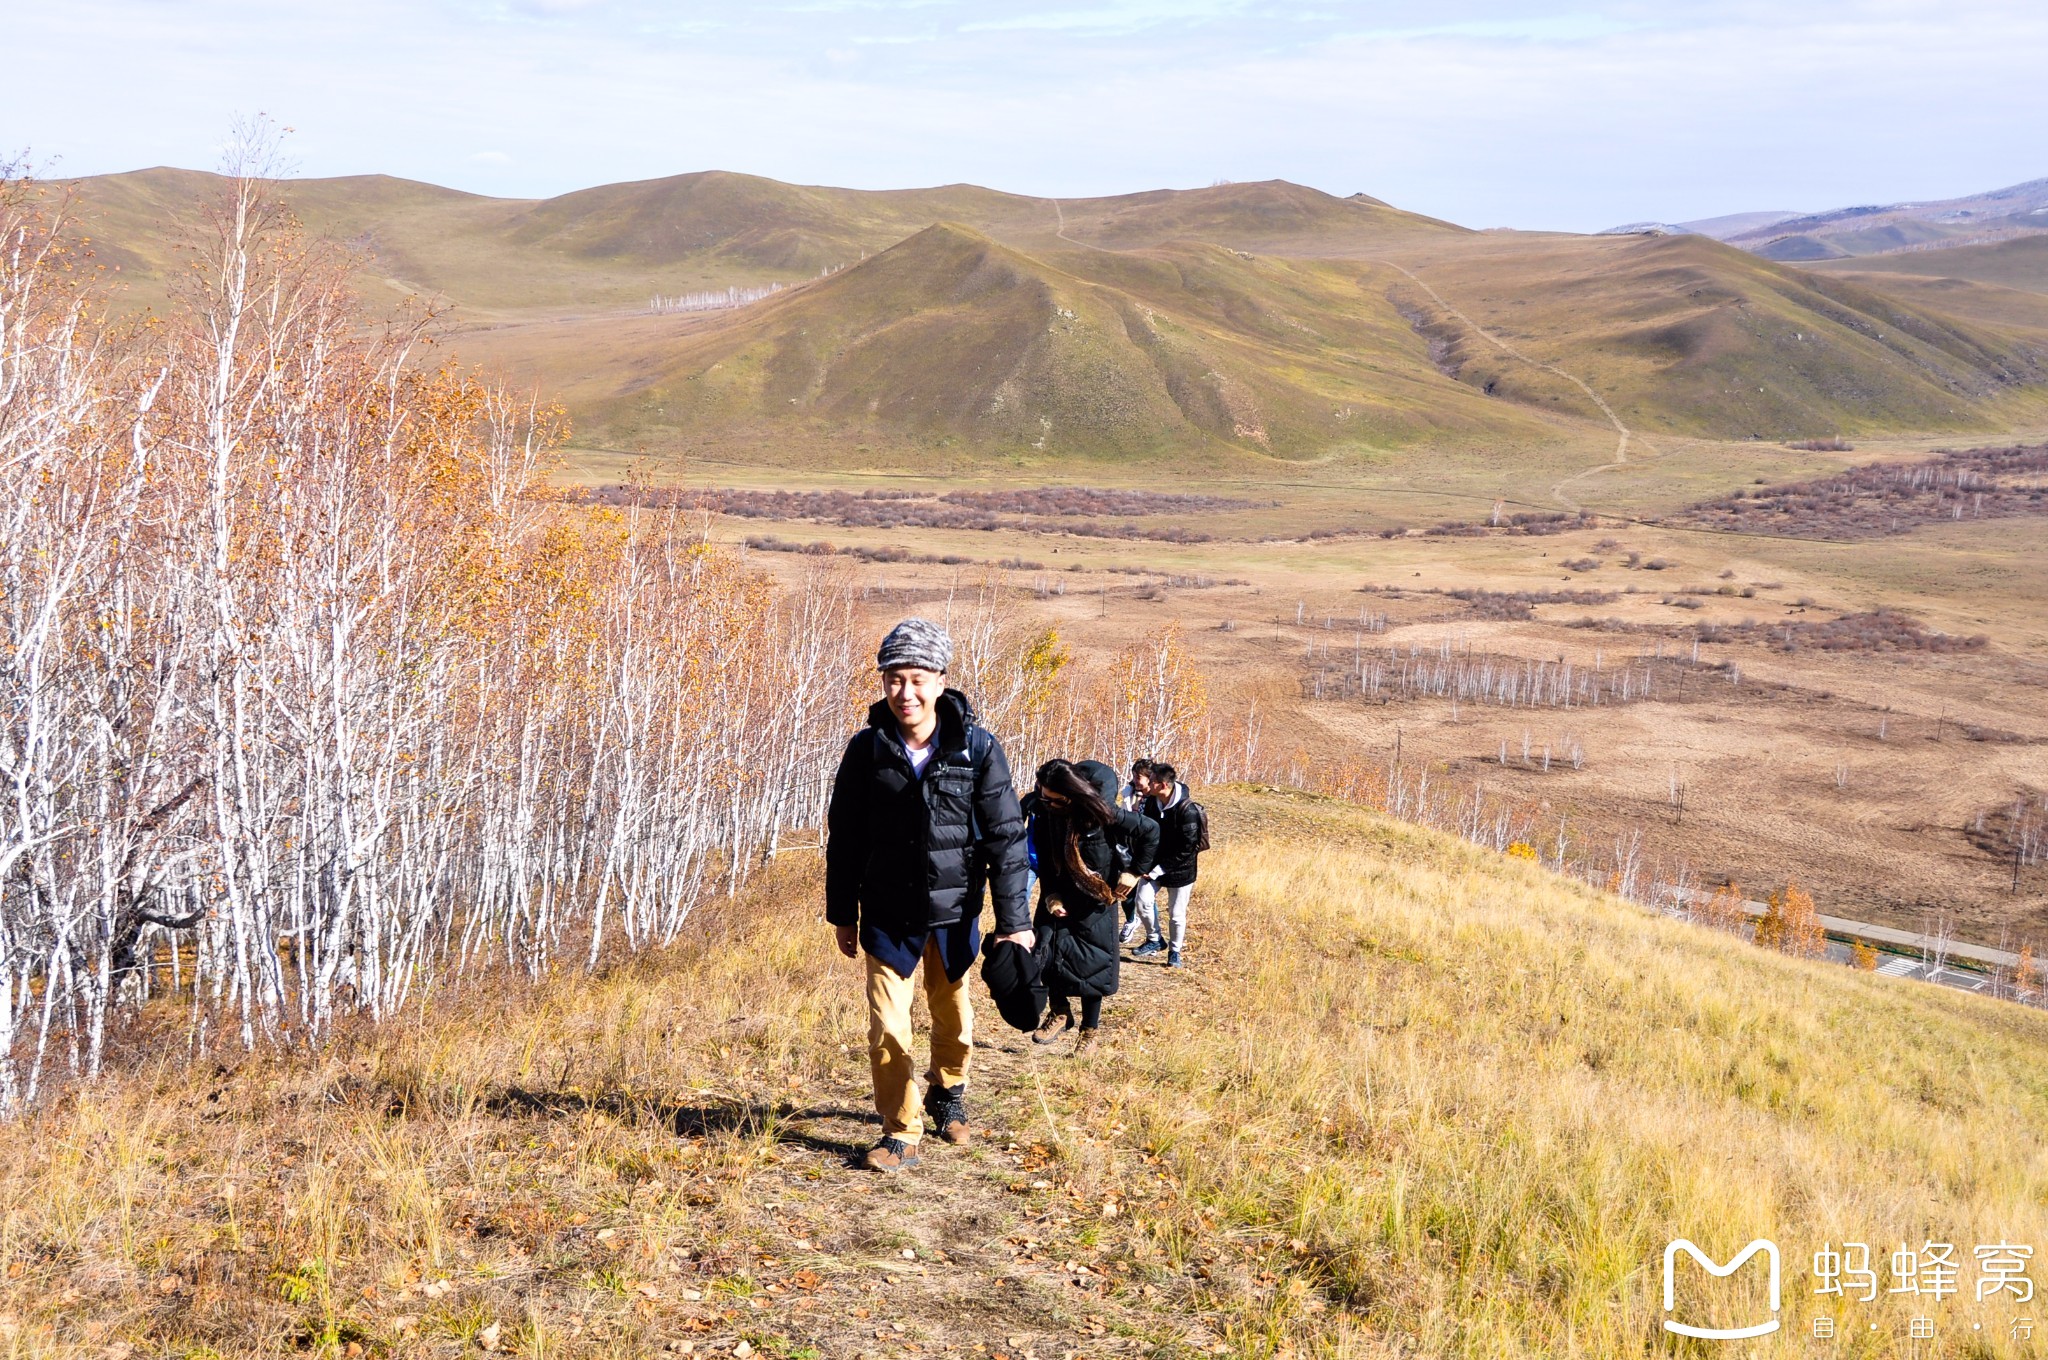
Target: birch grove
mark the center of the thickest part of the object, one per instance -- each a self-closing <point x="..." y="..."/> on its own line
<point x="313" y="697"/>
<point x="309" y="696"/>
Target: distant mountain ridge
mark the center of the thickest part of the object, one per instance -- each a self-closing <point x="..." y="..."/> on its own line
<point x="1734" y="224"/>
<point x="2015" y="211"/>
<point x="1715" y="228"/>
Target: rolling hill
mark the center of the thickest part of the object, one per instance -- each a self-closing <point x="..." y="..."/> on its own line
<point x="1685" y="335"/>
<point x="2021" y="263"/>
<point x="606" y="248"/>
<point x="952" y="336"/>
<point x="954" y="340"/>
<point x="1252" y="321"/>
<point x="613" y="246"/>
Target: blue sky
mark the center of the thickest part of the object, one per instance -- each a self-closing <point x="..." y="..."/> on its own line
<point x="1567" y="115"/>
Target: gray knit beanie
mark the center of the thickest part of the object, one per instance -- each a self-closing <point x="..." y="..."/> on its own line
<point x="915" y="642"/>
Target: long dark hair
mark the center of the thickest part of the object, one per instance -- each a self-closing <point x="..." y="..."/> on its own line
<point x="1080" y="808"/>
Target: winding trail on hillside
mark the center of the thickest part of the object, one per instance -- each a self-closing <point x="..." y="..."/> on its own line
<point x="1622" y="432"/>
<point x="981" y="1242"/>
<point x="1060" y="230"/>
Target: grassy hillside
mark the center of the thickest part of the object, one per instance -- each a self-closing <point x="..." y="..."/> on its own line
<point x="1271" y="217"/>
<point x="1410" y="1098"/>
<point x="761" y="224"/>
<point x="1238" y="324"/>
<point x="2020" y="313"/>
<point x="612" y="246"/>
<point x="951" y="336"/>
<point x="607" y="248"/>
<point x="415" y="237"/>
<point x="952" y="340"/>
<point x="1684" y="335"/>
<point x="2020" y="264"/>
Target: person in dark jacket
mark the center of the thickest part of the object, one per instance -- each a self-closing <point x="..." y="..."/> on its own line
<point x="1089" y="856"/>
<point x="922" y="819"/>
<point x="1181" y="831"/>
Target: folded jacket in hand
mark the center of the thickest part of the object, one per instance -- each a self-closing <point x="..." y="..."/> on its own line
<point x="1014" y="979"/>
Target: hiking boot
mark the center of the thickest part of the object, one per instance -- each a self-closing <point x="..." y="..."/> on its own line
<point x="1054" y="1024"/>
<point x="1090" y="1036"/>
<point x="891" y="1154"/>
<point x="945" y="1107"/>
<point x="1173" y="958"/>
<point x="1148" y="949"/>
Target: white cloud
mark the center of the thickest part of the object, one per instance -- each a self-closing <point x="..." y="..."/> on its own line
<point x="490" y="158"/>
<point x="1122" y="16"/>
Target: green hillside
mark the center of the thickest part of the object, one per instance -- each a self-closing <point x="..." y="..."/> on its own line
<point x="1239" y="321"/>
<point x="952" y="339"/>
<point x="952" y="336"/>
<point x="1272" y="216"/>
<point x="2020" y="263"/>
<point x="756" y="224"/>
<point x="613" y="246"/>
<point x="607" y="248"/>
<point x="1685" y="335"/>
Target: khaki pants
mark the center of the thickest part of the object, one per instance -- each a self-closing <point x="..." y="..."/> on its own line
<point x="889" y="1038"/>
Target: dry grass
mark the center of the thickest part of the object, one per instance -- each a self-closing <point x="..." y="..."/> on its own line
<point x="1411" y="1098"/>
<point x="1758" y="759"/>
<point x="1880" y="499"/>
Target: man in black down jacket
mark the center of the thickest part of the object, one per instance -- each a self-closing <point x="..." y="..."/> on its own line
<point x="922" y="816"/>
<point x="1181" y="827"/>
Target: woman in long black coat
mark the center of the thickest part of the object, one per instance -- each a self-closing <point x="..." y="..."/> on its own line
<point x="1089" y="855"/>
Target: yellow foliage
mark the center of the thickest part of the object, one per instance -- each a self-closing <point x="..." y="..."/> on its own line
<point x="1043" y="661"/>
<point x="2026" y="972"/>
<point x="1792" y="925"/>
<point x="1723" y="911"/>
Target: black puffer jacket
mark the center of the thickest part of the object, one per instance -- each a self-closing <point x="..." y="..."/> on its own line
<point x="1180" y="831"/>
<point x="1133" y="837"/>
<point x="1078" y="952"/>
<point x="904" y="854"/>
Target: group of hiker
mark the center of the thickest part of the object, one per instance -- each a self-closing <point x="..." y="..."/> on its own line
<point x="925" y="820"/>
